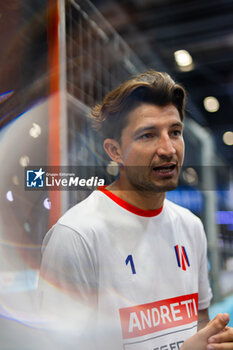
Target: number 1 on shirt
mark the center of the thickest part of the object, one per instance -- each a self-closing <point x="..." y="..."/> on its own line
<point x="129" y="259"/>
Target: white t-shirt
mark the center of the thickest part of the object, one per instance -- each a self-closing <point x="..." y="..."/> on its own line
<point x="123" y="277"/>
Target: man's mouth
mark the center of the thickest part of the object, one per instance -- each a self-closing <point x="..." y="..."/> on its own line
<point x="166" y="169"/>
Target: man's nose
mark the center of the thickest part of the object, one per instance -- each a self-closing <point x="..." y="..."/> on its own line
<point x="165" y="147"/>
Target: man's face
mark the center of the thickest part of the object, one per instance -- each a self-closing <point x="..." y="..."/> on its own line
<point x="152" y="148"/>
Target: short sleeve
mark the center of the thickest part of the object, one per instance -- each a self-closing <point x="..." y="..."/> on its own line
<point x="67" y="292"/>
<point x="205" y="293"/>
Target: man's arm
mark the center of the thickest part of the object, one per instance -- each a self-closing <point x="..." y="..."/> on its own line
<point x="203" y="318"/>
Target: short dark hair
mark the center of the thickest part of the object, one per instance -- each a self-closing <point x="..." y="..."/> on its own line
<point x="158" y="88"/>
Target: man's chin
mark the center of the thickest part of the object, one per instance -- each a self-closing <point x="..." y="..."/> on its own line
<point x="169" y="188"/>
<point x="155" y="188"/>
<point x="166" y="186"/>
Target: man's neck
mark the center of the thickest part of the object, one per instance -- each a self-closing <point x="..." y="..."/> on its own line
<point x="145" y="200"/>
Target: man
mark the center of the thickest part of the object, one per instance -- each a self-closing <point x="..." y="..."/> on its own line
<point x="129" y="267"/>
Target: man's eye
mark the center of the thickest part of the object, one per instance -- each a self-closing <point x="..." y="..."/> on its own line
<point x="176" y="132"/>
<point x="146" y="136"/>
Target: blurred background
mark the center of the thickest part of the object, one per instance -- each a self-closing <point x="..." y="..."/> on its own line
<point x="58" y="59"/>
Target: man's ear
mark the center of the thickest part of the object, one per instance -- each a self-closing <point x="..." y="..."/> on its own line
<point x="113" y="149"/>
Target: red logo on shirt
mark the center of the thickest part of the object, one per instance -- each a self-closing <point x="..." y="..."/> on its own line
<point x="153" y="317"/>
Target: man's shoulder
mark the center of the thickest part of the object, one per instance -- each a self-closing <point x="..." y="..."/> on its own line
<point x="77" y="222"/>
<point x="183" y="213"/>
<point x="85" y="213"/>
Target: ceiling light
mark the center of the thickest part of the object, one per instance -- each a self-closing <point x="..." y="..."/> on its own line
<point x="15" y="180"/>
<point x="27" y="227"/>
<point x="211" y="104"/>
<point x="47" y="203"/>
<point x="9" y="196"/>
<point x="184" y="60"/>
<point x="228" y="138"/>
<point x="190" y="176"/>
<point x="35" y="130"/>
<point x="24" y="161"/>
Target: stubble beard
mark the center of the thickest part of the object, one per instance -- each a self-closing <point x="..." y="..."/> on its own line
<point x="146" y="184"/>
